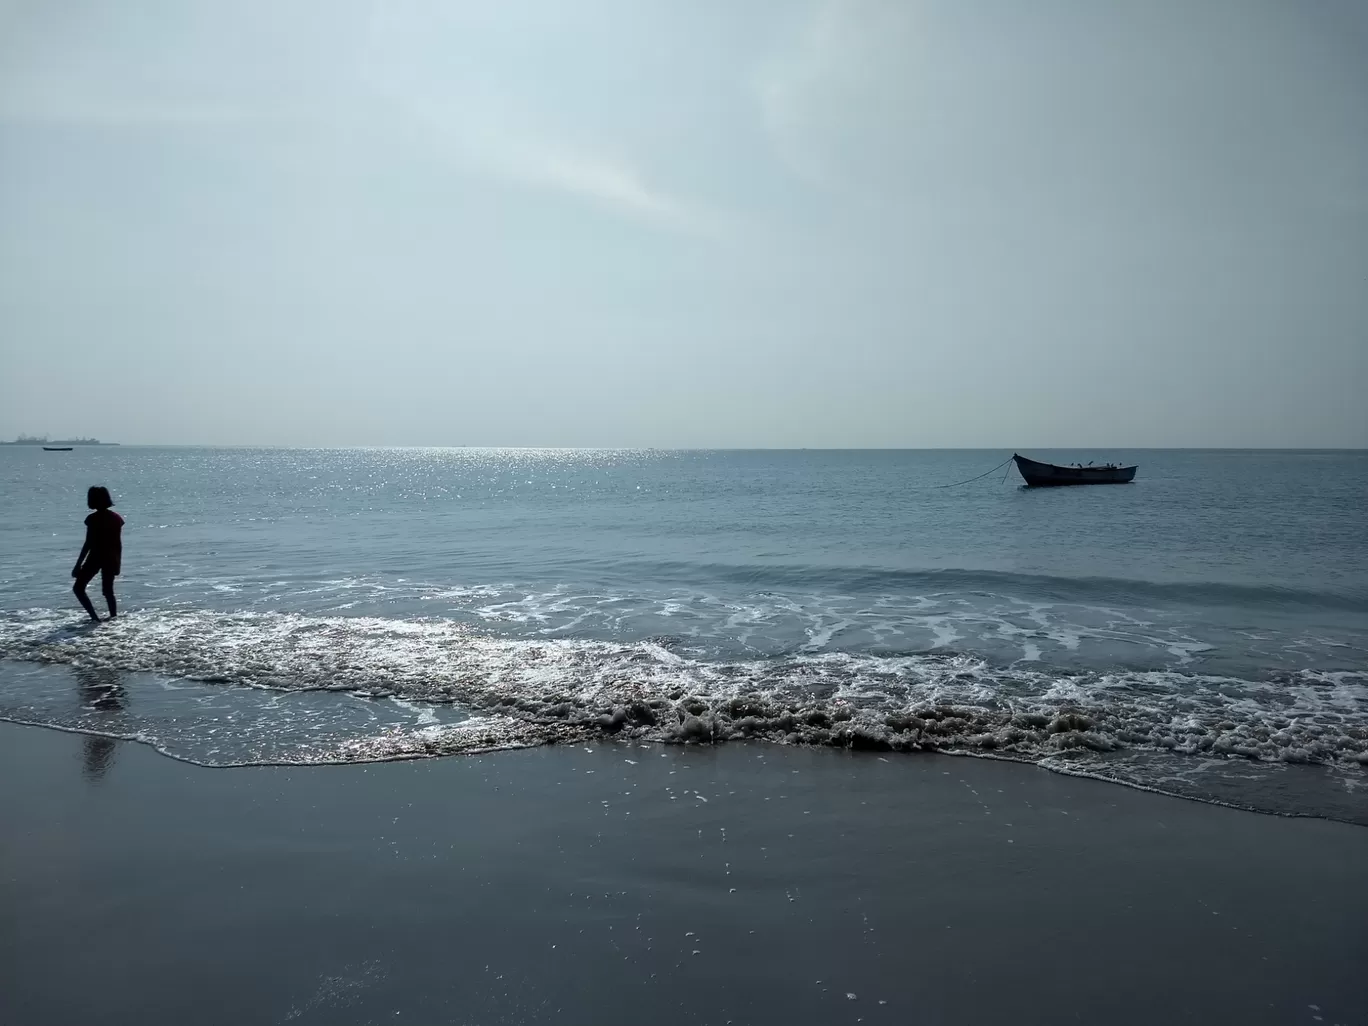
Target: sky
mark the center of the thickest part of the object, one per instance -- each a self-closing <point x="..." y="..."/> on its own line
<point x="772" y="223"/>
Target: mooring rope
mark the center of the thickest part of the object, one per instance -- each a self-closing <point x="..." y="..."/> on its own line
<point x="967" y="480"/>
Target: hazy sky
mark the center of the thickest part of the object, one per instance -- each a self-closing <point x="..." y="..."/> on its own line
<point x="692" y="223"/>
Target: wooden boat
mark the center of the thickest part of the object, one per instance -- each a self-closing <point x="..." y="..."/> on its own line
<point x="56" y="448"/>
<point x="1040" y="475"/>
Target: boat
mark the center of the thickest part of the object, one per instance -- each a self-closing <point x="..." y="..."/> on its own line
<point x="1040" y="475"/>
<point x="56" y="448"/>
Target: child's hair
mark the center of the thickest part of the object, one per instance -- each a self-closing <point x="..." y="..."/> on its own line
<point x="98" y="498"/>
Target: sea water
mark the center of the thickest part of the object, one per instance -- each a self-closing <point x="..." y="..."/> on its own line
<point x="1202" y="631"/>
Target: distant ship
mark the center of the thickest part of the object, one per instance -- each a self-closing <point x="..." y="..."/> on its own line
<point x="56" y="448"/>
<point x="1040" y="475"/>
<point x="55" y="444"/>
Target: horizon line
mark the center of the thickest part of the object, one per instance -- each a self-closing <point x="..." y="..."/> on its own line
<point x="713" y="448"/>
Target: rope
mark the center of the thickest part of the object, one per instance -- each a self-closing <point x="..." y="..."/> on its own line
<point x="967" y="480"/>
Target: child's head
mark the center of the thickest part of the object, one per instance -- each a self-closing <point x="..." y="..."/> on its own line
<point x="98" y="498"/>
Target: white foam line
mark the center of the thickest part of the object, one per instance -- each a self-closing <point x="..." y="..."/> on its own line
<point x="325" y="764"/>
<point x="591" y="683"/>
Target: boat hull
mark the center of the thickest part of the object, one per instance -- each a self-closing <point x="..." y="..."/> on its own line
<point x="1049" y="475"/>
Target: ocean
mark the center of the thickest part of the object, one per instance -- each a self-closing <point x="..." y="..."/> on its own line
<point x="1202" y="632"/>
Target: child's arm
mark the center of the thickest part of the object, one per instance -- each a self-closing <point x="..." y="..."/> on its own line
<point x="75" y="570"/>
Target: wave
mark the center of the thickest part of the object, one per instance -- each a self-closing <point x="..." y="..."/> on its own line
<point x="1109" y="591"/>
<point x="524" y="691"/>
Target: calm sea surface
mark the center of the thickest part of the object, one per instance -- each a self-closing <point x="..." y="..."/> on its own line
<point x="1203" y="631"/>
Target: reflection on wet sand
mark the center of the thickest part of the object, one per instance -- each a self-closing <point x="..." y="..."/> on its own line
<point x="101" y="690"/>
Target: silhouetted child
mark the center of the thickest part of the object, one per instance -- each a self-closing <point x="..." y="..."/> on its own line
<point x="102" y="552"/>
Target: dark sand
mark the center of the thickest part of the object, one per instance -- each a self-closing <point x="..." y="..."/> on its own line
<point x="573" y="886"/>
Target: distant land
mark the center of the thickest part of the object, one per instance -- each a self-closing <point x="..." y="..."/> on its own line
<point x="44" y="440"/>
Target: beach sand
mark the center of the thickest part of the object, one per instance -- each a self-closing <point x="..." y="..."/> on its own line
<point x="622" y="884"/>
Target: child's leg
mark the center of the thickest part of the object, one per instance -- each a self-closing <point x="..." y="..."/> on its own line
<point x="84" y="577"/>
<point x="107" y="586"/>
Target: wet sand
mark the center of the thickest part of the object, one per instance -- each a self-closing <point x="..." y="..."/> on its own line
<point x="736" y="884"/>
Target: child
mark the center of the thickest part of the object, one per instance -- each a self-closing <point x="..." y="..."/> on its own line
<point x="102" y="552"/>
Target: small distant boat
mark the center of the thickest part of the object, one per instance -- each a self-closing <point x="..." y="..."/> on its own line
<point x="1040" y="475"/>
<point x="56" y="448"/>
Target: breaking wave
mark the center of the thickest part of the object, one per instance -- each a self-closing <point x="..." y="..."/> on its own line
<point x="520" y="691"/>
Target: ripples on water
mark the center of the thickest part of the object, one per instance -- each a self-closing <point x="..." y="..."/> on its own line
<point x="325" y="605"/>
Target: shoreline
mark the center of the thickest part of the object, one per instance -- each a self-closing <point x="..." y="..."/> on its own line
<point x="588" y="737"/>
<point x="609" y="883"/>
<point x="211" y="724"/>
